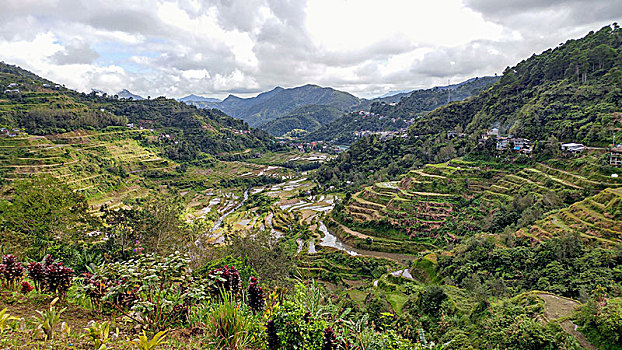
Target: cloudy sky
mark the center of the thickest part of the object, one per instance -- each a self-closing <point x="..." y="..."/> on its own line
<point x="217" y="47"/>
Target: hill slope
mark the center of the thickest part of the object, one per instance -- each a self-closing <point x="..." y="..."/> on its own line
<point x="423" y="101"/>
<point x="41" y="107"/>
<point x="568" y="92"/>
<point x="397" y="112"/>
<point x="571" y="93"/>
<point x="279" y="102"/>
<point x="307" y="118"/>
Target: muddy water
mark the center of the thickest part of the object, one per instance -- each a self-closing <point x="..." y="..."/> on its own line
<point x="331" y="240"/>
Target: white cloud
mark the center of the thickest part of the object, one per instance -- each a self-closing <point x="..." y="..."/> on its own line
<point x="217" y="47"/>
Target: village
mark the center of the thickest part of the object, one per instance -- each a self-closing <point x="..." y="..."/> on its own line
<point x="526" y="146"/>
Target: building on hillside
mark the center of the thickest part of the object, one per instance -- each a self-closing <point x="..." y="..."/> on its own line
<point x="522" y="145"/>
<point x="493" y="132"/>
<point x="615" y="157"/>
<point x="573" y="147"/>
<point x="518" y="144"/>
<point x="502" y="143"/>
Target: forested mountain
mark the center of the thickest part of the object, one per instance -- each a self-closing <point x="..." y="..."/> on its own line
<point x="280" y="102"/>
<point x="571" y="93"/>
<point x="396" y="112"/>
<point x="307" y="118"/>
<point x="40" y="107"/>
<point x="423" y="101"/>
<point x="348" y="128"/>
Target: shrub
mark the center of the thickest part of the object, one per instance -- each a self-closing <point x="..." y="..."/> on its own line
<point x="58" y="278"/>
<point x="255" y="296"/>
<point x="228" y="326"/>
<point x="11" y="270"/>
<point x="226" y="279"/>
<point x="36" y="272"/>
<point x="98" y="334"/>
<point x="49" y="319"/>
<point x="144" y="343"/>
<point x="26" y="287"/>
<point x="154" y="291"/>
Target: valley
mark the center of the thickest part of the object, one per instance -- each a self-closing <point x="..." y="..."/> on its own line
<point x="492" y="219"/>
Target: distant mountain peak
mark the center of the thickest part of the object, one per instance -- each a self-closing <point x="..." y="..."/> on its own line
<point x="125" y="93"/>
<point x="197" y="98"/>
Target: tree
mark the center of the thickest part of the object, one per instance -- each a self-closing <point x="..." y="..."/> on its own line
<point x="43" y="210"/>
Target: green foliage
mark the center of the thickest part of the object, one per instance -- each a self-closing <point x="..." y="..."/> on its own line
<point x="243" y="267"/>
<point x="230" y="325"/>
<point x="44" y="210"/>
<point x="98" y="334"/>
<point x="261" y="202"/>
<point x="560" y="265"/>
<point x="5" y="318"/>
<point x="154" y="225"/>
<point x="273" y="260"/>
<point x="601" y="320"/>
<point x="153" y="291"/>
<point x="144" y="343"/>
<point x="49" y="319"/>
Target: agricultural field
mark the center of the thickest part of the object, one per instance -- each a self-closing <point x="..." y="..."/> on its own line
<point x="441" y="204"/>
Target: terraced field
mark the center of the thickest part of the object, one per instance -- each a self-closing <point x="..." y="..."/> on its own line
<point x="596" y="218"/>
<point x="439" y="203"/>
<point x="424" y="206"/>
<point x="107" y="168"/>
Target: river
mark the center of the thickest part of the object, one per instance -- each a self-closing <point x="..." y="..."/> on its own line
<point x="218" y="222"/>
<point x="331" y="240"/>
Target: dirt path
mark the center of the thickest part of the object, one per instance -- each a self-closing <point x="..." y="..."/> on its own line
<point x="556" y="307"/>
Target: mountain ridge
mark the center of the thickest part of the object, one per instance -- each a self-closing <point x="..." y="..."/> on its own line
<point x="125" y="93"/>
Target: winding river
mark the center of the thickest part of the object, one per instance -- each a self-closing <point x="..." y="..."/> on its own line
<point x="331" y="240"/>
<point x="218" y="222"/>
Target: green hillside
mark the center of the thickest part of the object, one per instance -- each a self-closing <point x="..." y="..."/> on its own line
<point x="396" y="116"/>
<point x="421" y="102"/>
<point x="568" y="94"/>
<point x="42" y="108"/>
<point x="307" y="118"/>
